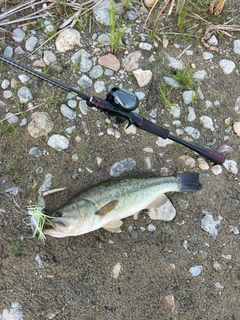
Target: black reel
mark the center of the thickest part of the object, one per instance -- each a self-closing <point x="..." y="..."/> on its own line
<point x="122" y="99"/>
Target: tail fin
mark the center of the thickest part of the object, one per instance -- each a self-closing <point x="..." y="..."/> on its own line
<point x="188" y="181"/>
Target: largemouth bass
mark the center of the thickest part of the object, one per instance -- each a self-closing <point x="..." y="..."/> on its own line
<point x="104" y="205"/>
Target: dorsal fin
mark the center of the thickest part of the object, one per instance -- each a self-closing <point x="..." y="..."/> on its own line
<point x="107" y="208"/>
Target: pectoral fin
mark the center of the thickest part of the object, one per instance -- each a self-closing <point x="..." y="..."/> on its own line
<point x="113" y="226"/>
<point x="107" y="208"/>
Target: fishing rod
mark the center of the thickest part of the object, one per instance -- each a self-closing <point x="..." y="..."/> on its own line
<point x="120" y="103"/>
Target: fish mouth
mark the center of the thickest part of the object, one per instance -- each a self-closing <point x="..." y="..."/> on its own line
<point x="55" y="224"/>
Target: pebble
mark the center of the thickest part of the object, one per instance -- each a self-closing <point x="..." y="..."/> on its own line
<point x="148" y="150"/>
<point x="143" y="77"/>
<point x="188" y="96"/>
<point x="194" y="133"/>
<point x="24" y="78"/>
<point x="174" y="63"/>
<point x="213" y="41"/>
<point x="35" y="152"/>
<point x="109" y="61"/>
<point x="148" y="163"/>
<point x="227" y="66"/>
<point x="202" y="163"/>
<point x="208" y="104"/>
<point x="104" y="39"/>
<point x="171" y="82"/>
<point x="196" y="270"/>
<point x="24" y="94"/>
<point x="191" y="114"/>
<point x="85" y="82"/>
<point x="153" y="113"/>
<point x="5" y="83"/>
<point x="217" y="266"/>
<point x="165" y="212"/>
<point x="85" y="64"/>
<point x="131" y="130"/>
<point x="8" y="52"/>
<point x="207" y="122"/>
<point x="145" y="46"/>
<point x="67" y="112"/>
<point x="12" y="118"/>
<point x="236" y="46"/>
<point x="217" y="169"/>
<point x="175" y="111"/>
<point x="96" y="72"/>
<point x="236" y="128"/>
<point x="234" y="229"/>
<point x="18" y="35"/>
<point x="70" y="129"/>
<point x="163" y="142"/>
<point x="19" y="50"/>
<point x="23" y="122"/>
<point x="49" y="57"/>
<point x="101" y="12"/>
<point x="237" y="105"/>
<point x="13" y="191"/>
<point x="151" y="228"/>
<point x="13" y="314"/>
<point x="67" y="40"/>
<point x="72" y="104"/>
<point x="99" y="86"/>
<point x="130" y="62"/>
<point x="58" y="142"/>
<point x="200" y="74"/>
<point x="210" y="225"/>
<point x="207" y="55"/>
<point x="189" y="161"/>
<point x="113" y="132"/>
<point x="124" y="165"/>
<point x="7" y="94"/>
<point x="40" y="125"/>
<point x="31" y="43"/>
<point x="231" y="166"/>
<point x="83" y="107"/>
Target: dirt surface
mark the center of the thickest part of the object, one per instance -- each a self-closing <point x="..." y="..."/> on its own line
<point x="75" y="279"/>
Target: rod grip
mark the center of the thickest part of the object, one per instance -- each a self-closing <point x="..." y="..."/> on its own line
<point x="151" y="127"/>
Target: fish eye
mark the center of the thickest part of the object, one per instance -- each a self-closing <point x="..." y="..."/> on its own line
<point x="59" y="214"/>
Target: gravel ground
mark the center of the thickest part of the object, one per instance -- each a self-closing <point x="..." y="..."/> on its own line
<point x="187" y="268"/>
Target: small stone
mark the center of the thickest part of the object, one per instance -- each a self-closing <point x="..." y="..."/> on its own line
<point x="210" y="225"/>
<point x="153" y="113"/>
<point x="72" y="104"/>
<point x="96" y="72"/>
<point x="70" y="129"/>
<point x="234" y="229"/>
<point x="165" y="212"/>
<point x="85" y="64"/>
<point x="40" y="125"/>
<point x="143" y="77"/>
<point x="18" y="35"/>
<point x="141" y="95"/>
<point x="149" y="3"/>
<point x="194" y="133"/>
<point x="195" y="271"/>
<point x="227" y="66"/>
<point x="217" y="266"/>
<point x="148" y="163"/>
<point x="237" y="105"/>
<point x="5" y="83"/>
<point x="145" y="46"/>
<point x="200" y="75"/>
<point x="99" y="86"/>
<point x="124" y="165"/>
<point x="24" y="78"/>
<point x="31" y="43"/>
<point x="231" y="166"/>
<point x="19" y="50"/>
<point x="151" y="228"/>
<point x="207" y="122"/>
<point x="188" y="96"/>
<point x="58" y="142"/>
<point x="85" y="82"/>
<point x="236" y="128"/>
<point x="217" y="169"/>
<point x="67" y="112"/>
<point x="174" y="63"/>
<point x="83" y="107"/>
<point x="189" y="161"/>
<point x="203" y="165"/>
<point x="35" y="152"/>
<point x="13" y="191"/>
<point x="131" y="130"/>
<point x="7" y="94"/>
<point x="171" y="82"/>
<point x="213" y="41"/>
<point x="8" y="52"/>
<point x="236" y="46"/>
<point x="11" y="118"/>
<point x="24" y="94"/>
<point x="163" y="142"/>
<point x="148" y="150"/>
<point x="75" y="157"/>
<point x="130" y="62"/>
<point x="109" y="61"/>
<point x="191" y="114"/>
<point x="49" y="57"/>
<point x="104" y="39"/>
<point x="208" y="104"/>
<point x="67" y="40"/>
<point x="99" y="160"/>
<point x="207" y="55"/>
<point x="175" y="111"/>
<point x="23" y="122"/>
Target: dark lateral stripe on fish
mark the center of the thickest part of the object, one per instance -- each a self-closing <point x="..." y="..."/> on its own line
<point x="189" y="181"/>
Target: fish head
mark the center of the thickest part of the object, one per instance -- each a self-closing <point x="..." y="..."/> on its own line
<point x="72" y="219"/>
